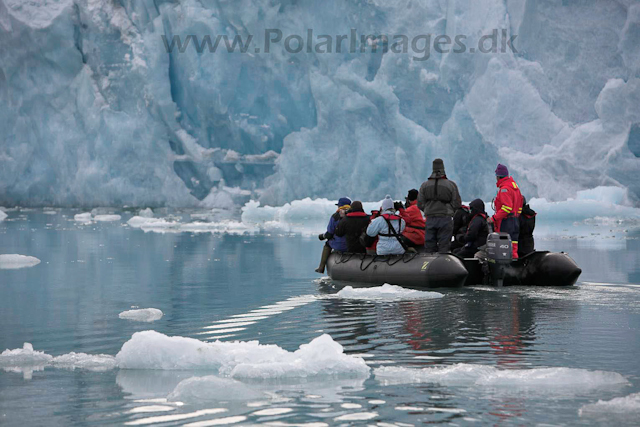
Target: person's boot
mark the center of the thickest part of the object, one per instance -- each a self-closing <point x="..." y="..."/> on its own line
<point x="326" y="251"/>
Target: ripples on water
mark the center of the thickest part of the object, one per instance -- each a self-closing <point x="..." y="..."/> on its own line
<point x="262" y="287"/>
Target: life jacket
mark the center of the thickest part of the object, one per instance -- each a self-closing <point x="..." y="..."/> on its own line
<point x="414" y="223"/>
<point x="390" y="218"/>
<point x="356" y="214"/>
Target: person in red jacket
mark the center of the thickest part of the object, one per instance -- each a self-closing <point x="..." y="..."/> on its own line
<point x="508" y="207"/>
<point x="413" y="234"/>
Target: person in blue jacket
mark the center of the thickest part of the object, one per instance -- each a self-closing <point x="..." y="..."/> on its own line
<point x="334" y="242"/>
<point x="389" y="240"/>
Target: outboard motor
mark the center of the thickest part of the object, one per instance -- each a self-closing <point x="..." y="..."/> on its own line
<point x="499" y="256"/>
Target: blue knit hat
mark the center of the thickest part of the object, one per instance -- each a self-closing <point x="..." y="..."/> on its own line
<point x="502" y="171"/>
<point x="344" y="201"/>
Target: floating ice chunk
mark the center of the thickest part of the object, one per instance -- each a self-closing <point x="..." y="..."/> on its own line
<point x="302" y="216"/>
<point x="15" y="261"/>
<point x="160" y="225"/>
<point x="142" y="315"/>
<point x="605" y="202"/>
<point x="107" y="218"/>
<point x="484" y="375"/>
<point x="620" y="406"/>
<point x="25" y="356"/>
<point x="321" y="357"/>
<point x="150" y="223"/>
<point x="91" y="362"/>
<point x="358" y="416"/>
<point x="83" y="217"/>
<point x="203" y="389"/>
<point x="146" y="213"/>
<point x="386" y="292"/>
<point x="2" y="215"/>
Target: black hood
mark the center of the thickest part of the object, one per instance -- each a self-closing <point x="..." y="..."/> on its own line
<point x="477" y="206"/>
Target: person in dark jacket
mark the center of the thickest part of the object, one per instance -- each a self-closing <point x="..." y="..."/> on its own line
<point x="477" y="231"/>
<point x="334" y="242"/>
<point x="527" y="224"/>
<point x="352" y="226"/>
<point x="439" y="199"/>
<point x="460" y="223"/>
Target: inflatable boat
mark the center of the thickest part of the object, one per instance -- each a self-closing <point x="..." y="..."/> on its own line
<point x="421" y="270"/>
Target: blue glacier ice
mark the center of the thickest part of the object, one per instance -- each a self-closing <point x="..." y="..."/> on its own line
<point x="96" y="112"/>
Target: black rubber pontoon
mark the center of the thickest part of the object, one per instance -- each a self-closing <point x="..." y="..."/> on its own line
<point x="539" y="268"/>
<point x="409" y="270"/>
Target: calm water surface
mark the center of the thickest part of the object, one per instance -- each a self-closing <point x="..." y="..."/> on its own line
<point x="91" y="273"/>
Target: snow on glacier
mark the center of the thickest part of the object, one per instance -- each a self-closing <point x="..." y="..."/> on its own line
<point x="98" y="113"/>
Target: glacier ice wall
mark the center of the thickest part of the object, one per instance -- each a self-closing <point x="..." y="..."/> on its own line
<point x="97" y="112"/>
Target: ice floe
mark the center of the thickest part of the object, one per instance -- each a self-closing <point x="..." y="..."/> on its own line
<point x="107" y="218"/>
<point x="3" y="215"/>
<point x="90" y="362"/>
<point x="619" y="406"/>
<point x="161" y="225"/>
<point x="321" y="357"/>
<point x="386" y="292"/>
<point x="27" y="359"/>
<point x="83" y="217"/>
<point x="142" y="315"/>
<point x="15" y="261"/>
<point x="484" y="375"/>
<point x="25" y="356"/>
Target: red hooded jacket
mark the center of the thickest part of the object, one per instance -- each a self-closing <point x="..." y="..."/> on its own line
<point x="508" y="201"/>
<point x="414" y="220"/>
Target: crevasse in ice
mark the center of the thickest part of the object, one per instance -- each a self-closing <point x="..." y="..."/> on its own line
<point x="98" y="113"/>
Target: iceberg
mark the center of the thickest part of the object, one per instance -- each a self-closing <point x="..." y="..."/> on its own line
<point x="142" y="315"/>
<point x="240" y="360"/>
<point x="26" y="360"/>
<point x="463" y="374"/>
<point x="386" y="292"/>
<point x="627" y="406"/>
<point x="16" y="261"/>
<point x="101" y="112"/>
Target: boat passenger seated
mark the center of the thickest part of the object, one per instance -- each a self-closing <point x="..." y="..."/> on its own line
<point x="527" y="224"/>
<point x="352" y="226"/>
<point x="476" y="233"/>
<point x="388" y="227"/>
<point x="413" y="235"/>
<point x="333" y="242"/>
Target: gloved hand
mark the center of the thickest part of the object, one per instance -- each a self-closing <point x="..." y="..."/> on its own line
<point x="460" y="238"/>
<point x="397" y="206"/>
<point x="321" y="236"/>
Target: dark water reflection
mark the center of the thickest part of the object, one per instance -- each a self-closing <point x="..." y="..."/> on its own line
<point x="90" y="273"/>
